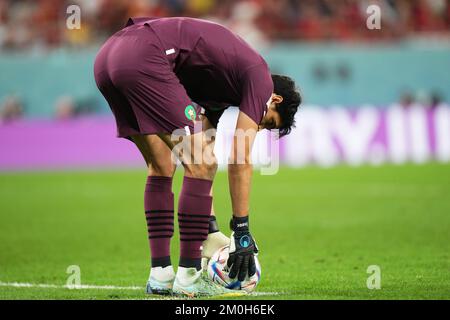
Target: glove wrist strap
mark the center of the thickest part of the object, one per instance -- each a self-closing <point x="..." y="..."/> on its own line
<point x="239" y="224"/>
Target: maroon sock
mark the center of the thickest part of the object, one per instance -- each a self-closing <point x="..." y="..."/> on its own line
<point x="158" y="204"/>
<point x="194" y="209"/>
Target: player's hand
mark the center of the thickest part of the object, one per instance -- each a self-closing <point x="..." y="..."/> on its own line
<point x="241" y="260"/>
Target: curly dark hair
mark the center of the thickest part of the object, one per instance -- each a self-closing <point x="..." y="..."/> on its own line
<point x="285" y="86"/>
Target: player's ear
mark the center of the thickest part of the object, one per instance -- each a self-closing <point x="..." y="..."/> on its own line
<point x="277" y="99"/>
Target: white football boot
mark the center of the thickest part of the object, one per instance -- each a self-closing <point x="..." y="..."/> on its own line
<point x="160" y="280"/>
<point x="192" y="283"/>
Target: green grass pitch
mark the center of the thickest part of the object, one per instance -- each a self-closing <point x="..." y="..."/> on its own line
<point x="317" y="229"/>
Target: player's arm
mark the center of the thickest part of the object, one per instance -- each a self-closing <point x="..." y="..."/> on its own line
<point x="240" y="170"/>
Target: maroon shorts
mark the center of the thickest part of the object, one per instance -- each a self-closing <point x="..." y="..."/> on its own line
<point x="133" y="74"/>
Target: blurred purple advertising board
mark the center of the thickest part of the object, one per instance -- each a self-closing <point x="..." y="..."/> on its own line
<point x="323" y="137"/>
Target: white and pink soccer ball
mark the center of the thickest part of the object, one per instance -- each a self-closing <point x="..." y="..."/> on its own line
<point x="218" y="272"/>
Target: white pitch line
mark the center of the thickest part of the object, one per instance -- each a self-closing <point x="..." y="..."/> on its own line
<point x="89" y="286"/>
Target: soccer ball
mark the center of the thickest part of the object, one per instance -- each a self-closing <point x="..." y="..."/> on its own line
<point x="218" y="272"/>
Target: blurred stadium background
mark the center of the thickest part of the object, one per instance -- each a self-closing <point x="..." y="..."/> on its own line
<point x="395" y="80"/>
<point x="372" y="97"/>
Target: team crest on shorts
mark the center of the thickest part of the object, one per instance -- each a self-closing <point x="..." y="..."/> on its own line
<point x="190" y="113"/>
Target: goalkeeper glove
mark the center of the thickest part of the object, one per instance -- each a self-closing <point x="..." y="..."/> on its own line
<point x="243" y="249"/>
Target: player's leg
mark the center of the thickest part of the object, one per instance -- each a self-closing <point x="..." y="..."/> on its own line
<point x="195" y="201"/>
<point x="215" y="239"/>
<point x="194" y="210"/>
<point x="159" y="210"/>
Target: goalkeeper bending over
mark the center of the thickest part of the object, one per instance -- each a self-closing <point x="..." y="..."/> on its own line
<point x="150" y="73"/>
